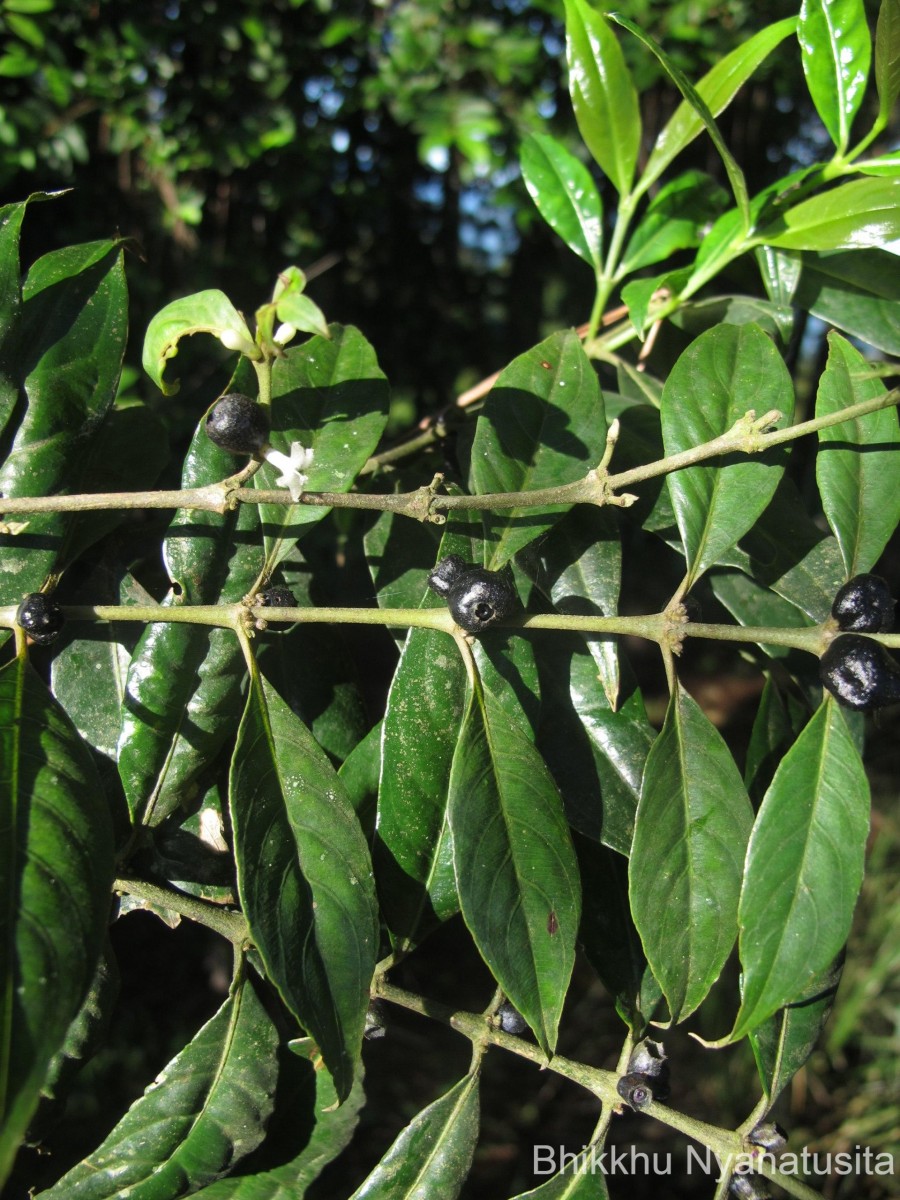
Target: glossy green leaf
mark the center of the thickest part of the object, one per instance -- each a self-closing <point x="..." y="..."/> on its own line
<point x="206" y="1111"/>
<point x="727" y="372"/>
<point x="330" y="395"/>
<point x="856" y="467"/>
<point x="861" y="213"/>
<point x="804" y="868"/>
<point x="836" y="50"/>
<point x="432" y="1156"/>
<point x="887" y="57"/>
<point x="639" y="294"/>
<point x="542" y="425"/>
<point x="413" y="852"/>
<point x="583" y="567"/>
<point x="690" y="832"/>
<point x="565" y="195"/>
<point x="695" y="99"/>
<point x="717" y="89"/>
<point x="204" y="312"/>
<point x="887" y="165"/>
<point x="675" y="220"/>
<point x="304" y="314"/>
<point x="780" y="271"/>
<point x="603" y="94"/>
<point x="755" y="604"/>
<point x="11" y="216"/>
<point x="696" y="316"/>
<point x="56" y="873"/>
<point x="183" y="691"/>
<point x="782" y="1045"/>
<point x="304" y="877"/>
<point x="332" y="1128"/>
<point x="71" y="338"/>
<point x="582" y="1180"/>
<point x="857" y="291"/>
<point x="777" y="723"/>
<point x="515" y="867"/>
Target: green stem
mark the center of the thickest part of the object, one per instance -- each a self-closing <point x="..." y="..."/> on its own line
<point x="229" y="924"/>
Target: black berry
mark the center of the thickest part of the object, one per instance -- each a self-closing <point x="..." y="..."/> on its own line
<point x="479" y="598"/>
<point x="237" y="423"/>
<point x="41" y="618"/>
<point x="769" y="1135"/>
<point x="636" y="1090"/>
<point x="649" y="1062"/>
<point x="510" y="1019"/>
<point x="748" y="1187"/>
<point x="277" y="597"/>
<point x="864" y="605"/>
<point x="860" y="673"/>
<point x="446" y="573"/>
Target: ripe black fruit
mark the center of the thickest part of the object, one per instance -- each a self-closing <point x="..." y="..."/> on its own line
<point x="636" y="1090"/>
<point x="864" y="605"/>
<point x="446" y="573"/>
<point x="475" y="596"/>
<point x="237" y="423"/>
<point x="277" y="597"/>
<point x="860" y="673"/>
<point x="41" y="618"/>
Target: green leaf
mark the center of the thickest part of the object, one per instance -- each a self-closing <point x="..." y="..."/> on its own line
<point x="303" y="313"/>
<point x="68" y="353"/>
<point x="542" y="425"/>
<point x="432" y="1156"/>
<point x="582" y="1180"/>
<point x="776" y="726"/>
<point x="183" y="692"/>
<point x="782" y="1045"/>
<point x="887" y="57"/>
<point x="56" y="873"/>
<point x="675" y="220"/>
<point x="413" y="854"/>
<point x="684" y="875"/>
<point x="333" y="1127"/>
<point x="11" y="216"/>
<point x="857" y="461"/>
<point x="836" y="50"/>
<point x="701" y="108"/>
<point x="727" y="372"/>
<point x="603" y="94"/>
<point x="515" y="866"/>
<point x="887" y="165"/>
<point x="639" y="294"/>
<point x="717" y="89"/>
<point x="780" y="272"/>
<point x="331" y="395"/>
<point x="861" y="213"/>
<point x="204" y="312"/>
<point x="856" y="290"/>
<point x="565" y="195"/>
<point x="304" y="877"/>
<point x="804" y="868"/>
<point x="205" y="1112"/>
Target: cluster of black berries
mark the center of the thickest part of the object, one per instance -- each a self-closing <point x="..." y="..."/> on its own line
<point x="858" y="672"/>
<point x="647" y="1077"/>
<point x="475" y="596"/>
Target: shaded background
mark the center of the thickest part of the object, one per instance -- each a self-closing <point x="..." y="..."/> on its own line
<point x="375" y="145"/>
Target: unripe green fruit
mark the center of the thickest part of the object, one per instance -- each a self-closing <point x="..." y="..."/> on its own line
<point x="238" y="424"/>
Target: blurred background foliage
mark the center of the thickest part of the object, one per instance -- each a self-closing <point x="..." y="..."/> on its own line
<point x="375" y="144"/>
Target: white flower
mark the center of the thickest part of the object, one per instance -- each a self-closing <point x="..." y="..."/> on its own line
<point x="292" y="467"/>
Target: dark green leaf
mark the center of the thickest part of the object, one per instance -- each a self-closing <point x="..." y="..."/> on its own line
<point x="305" y="878"/>
<point x="782" y="1044"/>
<point x="331" y="395"/>
<point x="780" y="272"/>
<point x="777" y="320"/>
<point x="204" y="312"/>
<point x="542" y="425"/>
<point x="690" y="832"/>
<point x="332" y="1129"/>
<point x="582" y="1180"/>
<point x="565" y="195"/>
<point x="56" y="873"/>
<point x="851" y="216"/>
<point x="887" y="57"/>
<point x="776" y="726"/>
<point x="727" y="372"/>
<point x="183" y="691"/>
<point x="206" y="1111"/>
<point x="603" y="94"/>
<point x="857" y="461"/>
<point x="717" y="89"/>
<point x="69" y="348"/>
<point x="702" y="109"/>
<point x="836" y="50"/>
<point x="11" y="216"/>
<point x="432" y="1156"/>
<point x="675" y="219"/>
<point x="804" y="868"/>
<point x="856" y="290"/>
<point x="515" y="866"/>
